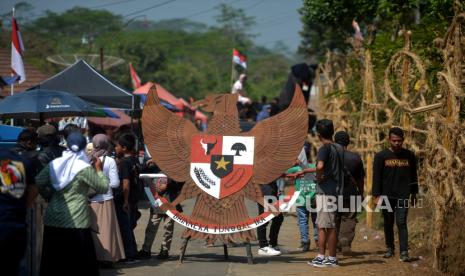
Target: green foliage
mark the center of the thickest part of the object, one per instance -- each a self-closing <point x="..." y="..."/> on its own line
<point x="236" y="24"/>
<point x="22" y="10"/>
<point x="354" y="85"/>
<point x="176" y="24"/>
<point x="188" y="58"/>
<point x="77" y="22"/>
<point x="423" y="35"/>
<point x="327" y="24"/>
<point x="269" y="75"/>
<point x="340" y="13"/>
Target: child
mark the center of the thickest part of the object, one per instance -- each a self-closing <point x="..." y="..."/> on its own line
<point x="123" y="196"/>
<point x="168" y="190"/>
<point x="305" y="183"/>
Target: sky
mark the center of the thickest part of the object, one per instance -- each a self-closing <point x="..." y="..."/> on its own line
<point x="276" y="20"/>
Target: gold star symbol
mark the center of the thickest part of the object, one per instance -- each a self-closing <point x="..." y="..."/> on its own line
<point x="222" y="163"/>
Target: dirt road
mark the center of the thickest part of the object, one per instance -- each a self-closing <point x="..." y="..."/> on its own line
<point x="200" y="260"/>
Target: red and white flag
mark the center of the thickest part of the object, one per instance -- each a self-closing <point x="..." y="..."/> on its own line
<point x="358" y="33"/>
<point x="17" y="49"/>
<point x="134" y="77"/>
<point x="239" y="58"/>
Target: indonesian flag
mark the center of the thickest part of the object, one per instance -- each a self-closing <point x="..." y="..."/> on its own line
<point x="134" y="77"/>
<point x="239" y="58"/>
<point x="17" y="49"/>
<point x="358" y="33"/>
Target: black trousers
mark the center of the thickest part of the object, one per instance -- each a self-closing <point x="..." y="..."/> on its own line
<point x="276" y="222"/>
<point x="399" y="216"/>
<point x="12" y="249"/>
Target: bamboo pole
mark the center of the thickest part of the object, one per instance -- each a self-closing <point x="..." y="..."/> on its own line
<point x="405" y="120"/>
<point x="368" y="89"/>
<point x="232" y="71"/>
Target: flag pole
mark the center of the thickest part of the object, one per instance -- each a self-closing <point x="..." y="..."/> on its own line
<point x="232" y="69"/>
<point x="12" y="86"/>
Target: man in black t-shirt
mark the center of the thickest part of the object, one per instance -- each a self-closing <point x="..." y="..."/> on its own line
<point x="395" y="177"/>
<point x="16" y="193"/>
<point x="328" y="171"/>
<point x="353" y="186"/>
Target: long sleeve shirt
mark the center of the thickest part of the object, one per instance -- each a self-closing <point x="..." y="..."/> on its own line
<point x="69" y="207"/>
<point x="395" y="174"/>
<point x="110" y="170"/>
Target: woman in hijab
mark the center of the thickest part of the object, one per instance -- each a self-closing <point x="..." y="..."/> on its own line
<point x="107" y="238"/>
<point x="64" y="183"/>
<point x="264" y="113"/>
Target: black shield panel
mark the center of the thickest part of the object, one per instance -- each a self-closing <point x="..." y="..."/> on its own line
<point x="222" y="165"/>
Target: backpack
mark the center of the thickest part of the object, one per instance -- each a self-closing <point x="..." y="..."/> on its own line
<point x="136" y="184"/>
<point x="347" y="185"/>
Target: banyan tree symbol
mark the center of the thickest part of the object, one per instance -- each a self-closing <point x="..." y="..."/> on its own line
<point x="238" y="147"/>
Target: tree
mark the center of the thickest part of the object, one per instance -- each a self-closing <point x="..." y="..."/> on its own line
<point x="188" y="62"/>
<point x="238" y="147"/>
<point x="236" y="24"/>
<point x="176" y="24"/>
<point x="327" y="24"/>
<point x="75" y="24"/>
<point x="23" y="14"/>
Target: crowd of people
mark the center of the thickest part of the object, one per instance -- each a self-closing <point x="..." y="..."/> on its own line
<point x="92" y="189"/>
<point x="332" y="189"/>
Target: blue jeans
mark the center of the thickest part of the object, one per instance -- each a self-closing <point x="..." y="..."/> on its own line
<point x="302" y="220"/>
<point x="125" y="221"/>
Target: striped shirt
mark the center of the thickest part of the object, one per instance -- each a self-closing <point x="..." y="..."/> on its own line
<point x="69" y="208"/>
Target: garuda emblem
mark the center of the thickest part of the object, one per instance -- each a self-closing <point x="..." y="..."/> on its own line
<point x="222" y="166"/>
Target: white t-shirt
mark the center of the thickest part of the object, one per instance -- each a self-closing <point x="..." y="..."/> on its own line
<point x="237" y="87"/>
<point x="110" y="170"/>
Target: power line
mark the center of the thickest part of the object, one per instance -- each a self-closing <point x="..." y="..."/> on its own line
<point x="205" y="11"/>
<point x="149" y="8"/>
<point x="254" y="5"/>
<point x="111" y="4"/>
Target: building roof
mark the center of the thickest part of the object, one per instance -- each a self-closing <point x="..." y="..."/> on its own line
<point x="33" y="75"/>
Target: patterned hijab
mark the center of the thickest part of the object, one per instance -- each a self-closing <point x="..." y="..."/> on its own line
<point x="102" y="145"/>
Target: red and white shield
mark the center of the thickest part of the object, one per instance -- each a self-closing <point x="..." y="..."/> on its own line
<point x="221" y="165"/>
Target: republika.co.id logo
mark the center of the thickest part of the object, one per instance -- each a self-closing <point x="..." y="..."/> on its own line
<point x="328" y="203"/>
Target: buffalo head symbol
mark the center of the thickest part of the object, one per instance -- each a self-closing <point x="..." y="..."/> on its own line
<point x="207" y="146"/>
